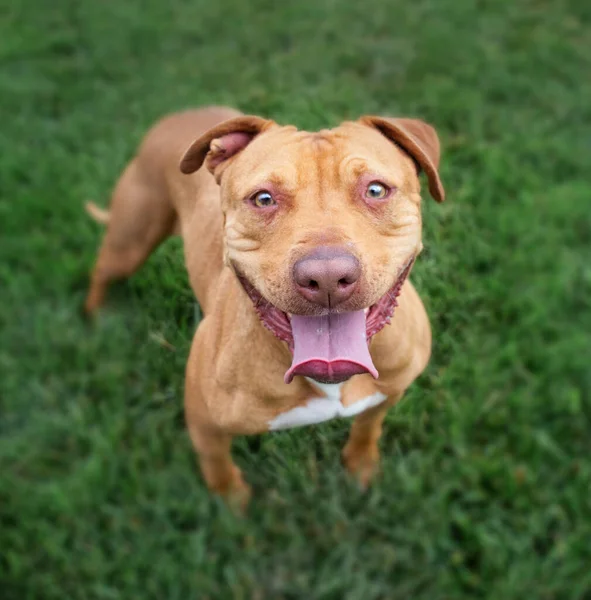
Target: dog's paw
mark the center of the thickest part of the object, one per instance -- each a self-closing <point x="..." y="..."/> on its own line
<point x="235" y="492"/>
<point x="238" y="498"/>
<point x="362" y="464"/>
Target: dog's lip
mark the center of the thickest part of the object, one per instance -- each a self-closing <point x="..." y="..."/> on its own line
<point x="377" y="315"/>
<point x="271" y="317"/>
<point x="380" y="313"/>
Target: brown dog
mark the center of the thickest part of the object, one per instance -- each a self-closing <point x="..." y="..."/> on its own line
<point x="298" y="247"/>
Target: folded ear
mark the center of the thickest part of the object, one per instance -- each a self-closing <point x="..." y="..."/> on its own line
<point x="222" y="142"/>
<point x="419" y="140"/>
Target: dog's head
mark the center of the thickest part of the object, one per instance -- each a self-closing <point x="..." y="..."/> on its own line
<point x="321" y="228"/>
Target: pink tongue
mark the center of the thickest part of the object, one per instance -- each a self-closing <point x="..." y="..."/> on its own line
<point x="331" y="348"/>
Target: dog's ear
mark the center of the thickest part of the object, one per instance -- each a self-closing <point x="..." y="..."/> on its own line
<point x="419" y="140"/>
<point x="222" y="142"/>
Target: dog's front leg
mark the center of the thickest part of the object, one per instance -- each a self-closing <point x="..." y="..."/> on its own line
<point x="221" y="475"/>
<point x="361" y="454"/>
<point x="211" y="442"/>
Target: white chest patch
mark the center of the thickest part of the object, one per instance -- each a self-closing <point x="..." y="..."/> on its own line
<point x="319" y="410"/>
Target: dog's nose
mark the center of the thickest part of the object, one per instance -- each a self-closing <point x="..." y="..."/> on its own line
<point x="327" y="276"/>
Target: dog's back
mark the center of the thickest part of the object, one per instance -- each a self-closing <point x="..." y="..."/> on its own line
<point x="153" y="200"/>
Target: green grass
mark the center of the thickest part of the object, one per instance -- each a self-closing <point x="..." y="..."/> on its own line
<point x="486" y="484"/>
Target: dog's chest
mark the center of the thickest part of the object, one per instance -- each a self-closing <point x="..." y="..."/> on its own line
<point x="324" y="408"/>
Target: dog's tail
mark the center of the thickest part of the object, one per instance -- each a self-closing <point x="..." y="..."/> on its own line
<point x="100" y="215"/>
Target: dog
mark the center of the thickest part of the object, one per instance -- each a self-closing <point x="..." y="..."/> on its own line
<point x="298" y="247"/>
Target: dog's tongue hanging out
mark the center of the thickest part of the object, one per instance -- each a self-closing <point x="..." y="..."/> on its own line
<point x="330" y="348"/>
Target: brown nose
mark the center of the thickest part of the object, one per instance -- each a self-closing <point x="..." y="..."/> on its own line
<point x="327" y="276"/>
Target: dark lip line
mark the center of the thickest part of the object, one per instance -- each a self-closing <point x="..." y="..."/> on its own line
<point x="282" y="328"/>
<point x="259" y="302"/>
<point x="390" y="300"/>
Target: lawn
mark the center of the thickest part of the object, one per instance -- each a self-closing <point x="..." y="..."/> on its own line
<point x="485" y="490"/>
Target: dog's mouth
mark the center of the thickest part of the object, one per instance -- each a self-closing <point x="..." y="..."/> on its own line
<point x="333" y="347"/>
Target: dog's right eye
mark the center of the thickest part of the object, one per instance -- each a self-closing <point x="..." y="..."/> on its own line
<point x="263" y="200"/>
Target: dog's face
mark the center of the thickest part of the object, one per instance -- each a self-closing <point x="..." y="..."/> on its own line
<point x="321" y="228"/>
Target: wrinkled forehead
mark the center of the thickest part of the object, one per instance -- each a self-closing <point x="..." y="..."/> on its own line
<point x="294" y="159"/>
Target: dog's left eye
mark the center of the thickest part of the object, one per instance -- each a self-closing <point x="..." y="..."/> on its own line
<point x="376" y="190"/>
<point x="263" y="200"/>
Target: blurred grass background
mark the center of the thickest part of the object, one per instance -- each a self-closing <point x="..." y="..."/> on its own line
<point x="486" y="484"/>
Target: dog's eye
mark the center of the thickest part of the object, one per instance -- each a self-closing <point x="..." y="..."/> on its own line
<point x="263" y="200"/>
<point x="376" y="190"/>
